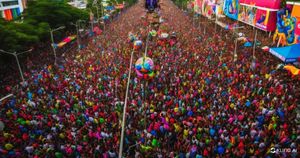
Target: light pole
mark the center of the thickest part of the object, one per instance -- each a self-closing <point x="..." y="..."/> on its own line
<point x="125" y="107"/>
<point x="254" y="44"/>
<point x="52" y="40"/>
<point x="77" y="25"/>
<point x="235" y="49"/>
<point x="15" y="54"/>
<point x="103" y="16"/>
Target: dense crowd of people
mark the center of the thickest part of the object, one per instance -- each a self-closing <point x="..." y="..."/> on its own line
<point x="201" y="103"/>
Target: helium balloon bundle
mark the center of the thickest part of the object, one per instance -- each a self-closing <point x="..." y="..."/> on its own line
<point x="137" y="44"/>
<point x="164" y="36"/>
<point x="131" y="37"/>
<point x="144" y="68"/>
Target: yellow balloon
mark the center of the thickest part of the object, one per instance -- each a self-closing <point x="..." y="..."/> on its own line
<point x="185" y="132"/>
<point x="176" y="109"/>
<point x="8" y="146"/>
<point x="61" y="135"/>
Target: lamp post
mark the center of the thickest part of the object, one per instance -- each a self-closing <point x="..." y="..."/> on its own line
<point x="15" y="54"/>
<point x="235" y="49"/>
<point x="103" y="16"/>
<point x="52" y="40"/>
<point x="77" y="34"/>
<point x="254" y="45"/>
<point x="125" y="107"/>
<point x="77" y="25"/>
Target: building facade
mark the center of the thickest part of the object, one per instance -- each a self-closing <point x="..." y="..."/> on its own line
<point x="11" y="9"/>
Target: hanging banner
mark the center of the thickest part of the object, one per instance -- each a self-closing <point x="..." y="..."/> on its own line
<point x="266" y="20"/>
<point x="261" y="14"/>
<point x="198" y="6"/>
<point x="247" y="14"/>
<point x="65" y="41"/>
<point x="208" y="8"/>
<point x="286" y="27"/>
<point x="231" y="8"/>
<point x="219" y="9"/>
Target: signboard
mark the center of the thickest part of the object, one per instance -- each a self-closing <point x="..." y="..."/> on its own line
<point x="198" y="6"/>
<point x="231" y="8"/>
<point x="208" y="8"/>
<point x="247" y="14"/>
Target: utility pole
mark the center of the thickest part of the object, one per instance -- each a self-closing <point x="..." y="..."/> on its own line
<point x="52" y="40"/>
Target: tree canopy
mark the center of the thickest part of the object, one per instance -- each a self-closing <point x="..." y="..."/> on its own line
<point x="35" y="23"/>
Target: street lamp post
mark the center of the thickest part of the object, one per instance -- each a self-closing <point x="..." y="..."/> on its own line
<point x="52" y="40"/>
<point x="77" y="25"/>
<point x="103" y="17"/>
<point x="254" y="45"/>
<point x="15" y="54"/>
<point x="235" y="49"/>
<point x="125" y="107"/>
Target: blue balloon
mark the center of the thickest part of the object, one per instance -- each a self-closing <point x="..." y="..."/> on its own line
<point x="153" y="132"/>
<point x="162" y="129"/>
<point x="212" y="131"/>
<point x="190" y="113"/>
<point x="248" y="44"/>
<point x="147" y="66"/>
<point x="138" y="67"/>
<point x="221" y="150"/>
<point x="248" y="103"/>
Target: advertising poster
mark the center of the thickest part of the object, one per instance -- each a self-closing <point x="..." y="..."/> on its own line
<point x="231" y="9"/>
<point x="247" y="14"/>
<point x="208" y="8"/>
<point x="198" y="6"/>
<point x="261" y="14"/>
<point x="266" y="20"/>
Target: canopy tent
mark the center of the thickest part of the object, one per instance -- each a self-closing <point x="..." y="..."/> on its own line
<point x="287" y="54"/>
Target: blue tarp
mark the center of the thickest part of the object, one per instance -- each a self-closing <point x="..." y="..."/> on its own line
<point x="287" y="54"/>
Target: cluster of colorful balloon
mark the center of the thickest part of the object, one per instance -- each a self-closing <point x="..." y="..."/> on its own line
<point x="144" y="68"/>
<point x="164" y="36"/>
<point x="131" y="37"/>
<point x="153" y="33"/>
<point x="137" y="44"/>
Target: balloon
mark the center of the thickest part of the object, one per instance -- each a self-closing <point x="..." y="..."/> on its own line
<point x="154" y="142"/>
<point x="61" y="135"/>
<point x="212" y="132"/>
<point x="153" y="33"/>
<point x="58" y="155"/>
<point x="23" y="122"/>
<point x="138" y="67"/>
<point x="151" y="75"/>
<point x="101" y="120"/>
<point x="1" y="126"/>
<point x="164" y="35"/>
<point x="137" y="44"/>
<point x="221" y="150"/>
<point x="207" y="141"/>
<point x="144" y="68"/>
<point x="147" y="66"/>
<point x="8" y="146"/>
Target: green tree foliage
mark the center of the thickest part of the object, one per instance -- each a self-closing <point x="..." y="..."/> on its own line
<point x="39" y="17"/>
<point x="93" y="8"/>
